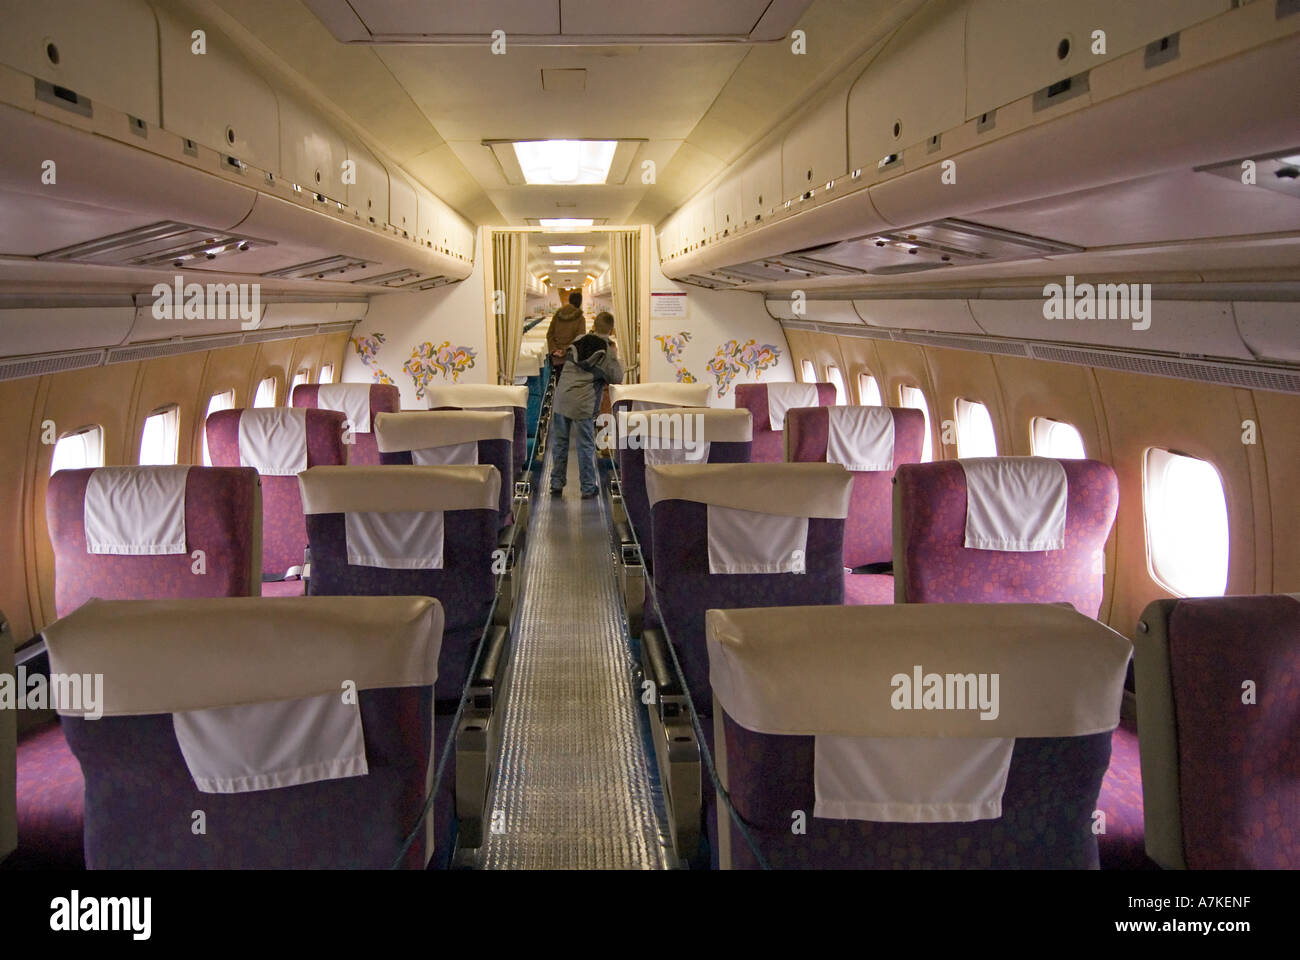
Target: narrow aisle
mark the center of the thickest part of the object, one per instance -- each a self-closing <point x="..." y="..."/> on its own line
<point x="574" y="781"/>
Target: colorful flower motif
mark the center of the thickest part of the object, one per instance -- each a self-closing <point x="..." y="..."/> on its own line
<point x="379" y="376"/>
<point x="444" y="360"/>
<point x="368" y="347"/>
<point x="734" y="358"/>
<point x="673" y="346"/>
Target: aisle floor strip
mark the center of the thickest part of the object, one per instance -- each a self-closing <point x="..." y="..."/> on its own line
<point x="575" y="785"/>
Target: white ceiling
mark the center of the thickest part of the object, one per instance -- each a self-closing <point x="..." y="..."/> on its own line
<point x="369" y="21"/>
<point x="696" y="107"/>
<point x="654" y="93"/>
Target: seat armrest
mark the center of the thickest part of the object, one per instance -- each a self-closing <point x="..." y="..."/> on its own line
<point x="658" y="663"/>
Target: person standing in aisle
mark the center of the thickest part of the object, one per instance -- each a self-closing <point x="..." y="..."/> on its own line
<point x="591" y="362"/>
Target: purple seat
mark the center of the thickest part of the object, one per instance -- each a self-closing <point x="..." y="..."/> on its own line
<point x="683" y="500"/>
<point x="222" y="512"/>
<point x="658" y="437"/>
<point x="933" y="565"/>
<point x="727" y="535"/>
<point x="1218" y="711"/>
<point x="868" y="531"/>
<point x="626" y="398"/>
<point x="222" y="517"/>
<point x="284" y="533"/>
<point x="823" y="759"/>
<point x="491" y="397"/>
<point x="767" y="403"/>
<point x="372" y="398"/>
<point x="219" y="668"/>
<point x="460" y="503"/>
<point x="936" y="566"/>
<point x="452" y="438"/>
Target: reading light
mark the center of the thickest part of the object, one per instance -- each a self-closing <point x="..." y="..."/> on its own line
<point x="568" y="248"/>
<point x="565" y="222"/>
<point x="565" y="162"/>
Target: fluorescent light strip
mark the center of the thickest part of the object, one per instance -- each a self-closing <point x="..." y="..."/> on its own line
<point x="568" y="263"/>
<point x="562" y="223"/>
<point x="568" y="248"/>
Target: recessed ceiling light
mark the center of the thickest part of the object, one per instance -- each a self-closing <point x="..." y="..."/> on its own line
<point x="568" y="263"/>
<point x="565" y="222"/>
<point x="566" y="271"/>
<point x="565" y="162"/>
<point x="568" y="248"/>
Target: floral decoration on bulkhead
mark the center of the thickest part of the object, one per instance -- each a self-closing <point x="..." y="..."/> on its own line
<point x="734" y="358"/>
<point x="673" y="344"/>
<point x="444" y="360"/>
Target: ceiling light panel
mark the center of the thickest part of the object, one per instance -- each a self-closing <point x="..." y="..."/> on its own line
<point x="564" y="223"/>
<point x="567" y="248"/>
<point x="565" y="162"/>
<point x="568" y="263"/>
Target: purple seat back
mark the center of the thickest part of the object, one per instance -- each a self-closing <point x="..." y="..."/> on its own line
<point x="769" y="446"/>
<point x="384" y="398"/>
<point x="465" y="586"/>
<point x="1046" y="817"/>
<point x="222" y="518"/>
<point x="284" y="533"/>
<point x="932" y="564"/>
<point x="140" y="796"/>
<point x="632" y="465"/>
<point x="868" y="531"/>
<point x="684" y="588"/>
<point x="1221" y="760"/>
<point x="793" y="682"/>
<point x="493" y="397"/>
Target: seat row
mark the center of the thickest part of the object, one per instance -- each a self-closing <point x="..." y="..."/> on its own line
<point x="848" y="532"/>
<point x="341" y="500"/>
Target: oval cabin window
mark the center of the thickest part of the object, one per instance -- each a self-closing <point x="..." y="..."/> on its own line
<point x="913" y="397"/>
<point x="1055" y="438"/>
<point x="1187" y="524"/>
<point x="975" y="436"/>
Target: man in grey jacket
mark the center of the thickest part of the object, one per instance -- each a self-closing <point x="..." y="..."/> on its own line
<point x="590" y="362"/>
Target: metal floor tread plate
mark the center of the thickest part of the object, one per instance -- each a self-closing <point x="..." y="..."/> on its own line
<point x="575" y="786"/>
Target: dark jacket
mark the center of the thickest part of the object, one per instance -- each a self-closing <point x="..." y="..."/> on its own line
<point x="567" y="325"/>
<point x="590" y="363"/>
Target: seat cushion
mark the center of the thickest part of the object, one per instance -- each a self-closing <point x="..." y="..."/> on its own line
<point x="865" y="589"/>
<point x="51" y="798"/>
<point x="1123" y="845"/>
<point x="282" y="588"/>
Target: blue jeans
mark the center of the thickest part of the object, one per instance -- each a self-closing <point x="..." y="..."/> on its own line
<point x="586" y="431"/>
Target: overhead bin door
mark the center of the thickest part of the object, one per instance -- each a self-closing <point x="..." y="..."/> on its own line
<point x="216" y="99"/>
<point x="106" y="50"/>
<point x="913" y="91"/>
<point x="727" y="214"/>
<point x="760" y="185"/>
<point x="1015" y="47"/>
<point x="402" y="205"/>
<point x="311" y="151"/>
<point x="369" y="195"/>
<point x="815" y="150"/>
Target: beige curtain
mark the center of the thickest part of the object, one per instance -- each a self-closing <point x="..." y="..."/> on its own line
<point x="508" y="292"/>
<point x="625" y="280"/>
